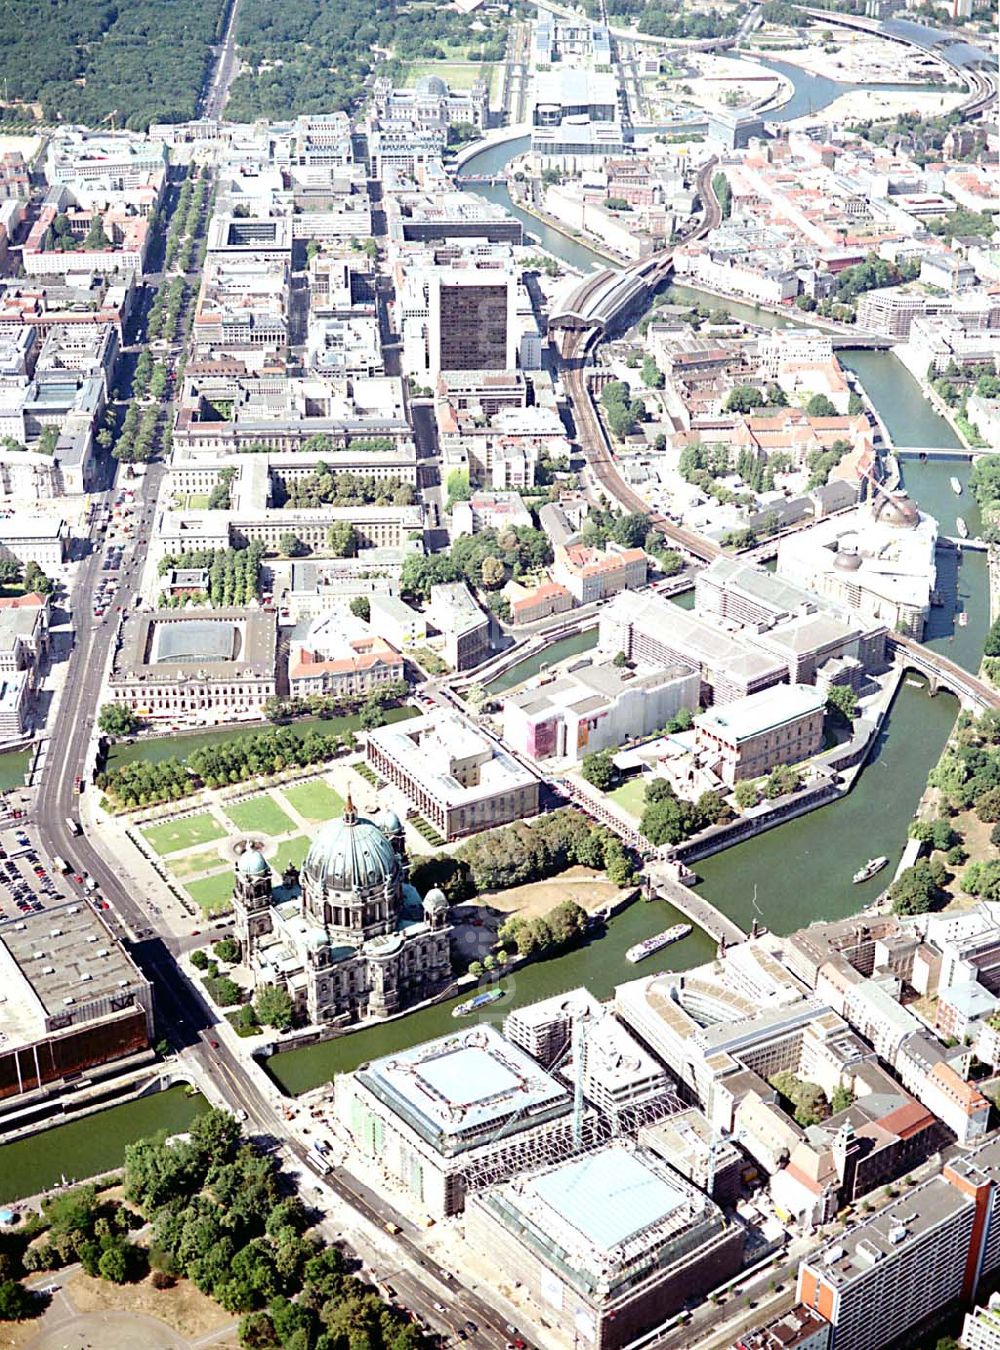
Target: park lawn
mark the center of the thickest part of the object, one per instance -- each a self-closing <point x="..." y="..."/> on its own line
<point x="173" y="835"/>
<point x="290" y="851"/>
<point x="261" y="813"/>
<point x="212" y="893"/>
<point x="631" y="796"/>
<point x="456" y="74"/>
<point x="316" y="801"/>
<point x="193" y="864"/>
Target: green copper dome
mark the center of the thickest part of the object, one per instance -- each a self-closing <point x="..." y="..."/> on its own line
<point x="350" y="854"/>
<point x="252" y="863"/>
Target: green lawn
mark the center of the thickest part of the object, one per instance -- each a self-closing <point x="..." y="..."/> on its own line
<point x="290" y="851"/>
<point x="173" y="835"/>
<point x="193" y="864"/>
<point x="261" y="814"/>
<point x="12" y="767"/>
<point x="212" y="893"/>
<point x="457" y="74"/>
<point x="316" y="801"/>
<point x="631" y="796"/>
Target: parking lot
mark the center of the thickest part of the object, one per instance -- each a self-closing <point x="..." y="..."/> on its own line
<point x="28" y="882"/>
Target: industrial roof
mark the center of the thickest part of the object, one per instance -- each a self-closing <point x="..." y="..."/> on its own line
<point x="608" y="1196"/>
<point x="452" y="1089"/>
<point x="61" y="961"/>
<point x="195" y="640"/>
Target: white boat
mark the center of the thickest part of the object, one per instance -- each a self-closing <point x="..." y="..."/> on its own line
<point x="963" y="618"/>
<point x="961" y="527"/>
<point x="956" y="486"/>
<point x="869" y="870"/>
<point x="654" y="944"/>
<point x="474" y="1005"/>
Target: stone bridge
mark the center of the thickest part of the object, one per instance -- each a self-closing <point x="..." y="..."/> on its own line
<point x="944" y="674"/>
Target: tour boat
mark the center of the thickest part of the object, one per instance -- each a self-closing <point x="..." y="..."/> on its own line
<point x="872" y="866"/>
<point x="961" y="527"/>
<point x="654" y="944"/>
<point x="476" y="1004"/>
<point x="956" y="486"/>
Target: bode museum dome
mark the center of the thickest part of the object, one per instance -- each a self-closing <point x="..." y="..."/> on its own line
<point x="356" y="940"/>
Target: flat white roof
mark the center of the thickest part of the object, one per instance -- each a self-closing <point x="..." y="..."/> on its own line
<point x="760" y="712"/>
<point x="460" y="1084"/>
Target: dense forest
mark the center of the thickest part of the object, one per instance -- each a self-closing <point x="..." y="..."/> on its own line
<point x="138" y="61"/>
<point x="141" y="61"/>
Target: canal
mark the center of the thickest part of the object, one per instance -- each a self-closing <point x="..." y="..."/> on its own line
<point x="93" y="1144"/>
<point x="547" y="656"/>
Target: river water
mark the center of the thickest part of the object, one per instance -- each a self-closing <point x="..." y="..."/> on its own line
<point x="91" y="1145"/>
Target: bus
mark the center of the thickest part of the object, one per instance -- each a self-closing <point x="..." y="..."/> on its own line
<point x="317" y="1162"/>
<point x="60" y="864"/>
<point x="73" y="825"/>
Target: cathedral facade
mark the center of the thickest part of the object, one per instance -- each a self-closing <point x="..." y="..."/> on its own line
<point x="358" y="941"/>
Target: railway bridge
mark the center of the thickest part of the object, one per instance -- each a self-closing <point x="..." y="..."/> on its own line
<point x="941" y="673"/>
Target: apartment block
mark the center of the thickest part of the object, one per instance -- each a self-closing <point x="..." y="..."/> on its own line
<point x="928" y="1248"/>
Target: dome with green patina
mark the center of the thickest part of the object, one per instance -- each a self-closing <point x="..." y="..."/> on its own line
<point x="252" y="863"/>
<point x="350" y="854"/>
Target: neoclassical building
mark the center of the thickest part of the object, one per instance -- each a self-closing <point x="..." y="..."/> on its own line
<point x="358" y="941"/>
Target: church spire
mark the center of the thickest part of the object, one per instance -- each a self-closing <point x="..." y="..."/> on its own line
<point x="350" y="815"/>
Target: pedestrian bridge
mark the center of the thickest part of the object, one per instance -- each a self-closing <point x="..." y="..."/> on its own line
<point x="941" y="673"/>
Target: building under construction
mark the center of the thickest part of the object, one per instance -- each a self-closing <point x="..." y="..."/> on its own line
<point x="608" y="1245"/>
<point x="467" y="1111"/>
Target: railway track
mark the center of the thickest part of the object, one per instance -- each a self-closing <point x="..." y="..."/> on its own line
<point x="578" y="347"/>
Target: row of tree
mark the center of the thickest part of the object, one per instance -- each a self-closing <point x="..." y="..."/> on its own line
<point x="234" y="575"/>
<point x="328" y="705"/>
<point x="136" y="443"/>
<point x="144" y="783"/>
<point x="165" y="311"/>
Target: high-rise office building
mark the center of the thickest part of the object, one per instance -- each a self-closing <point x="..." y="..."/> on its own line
<point x="472" y="318"/>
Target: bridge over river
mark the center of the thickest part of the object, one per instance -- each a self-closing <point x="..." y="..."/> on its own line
<point x="941" y="673"/>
